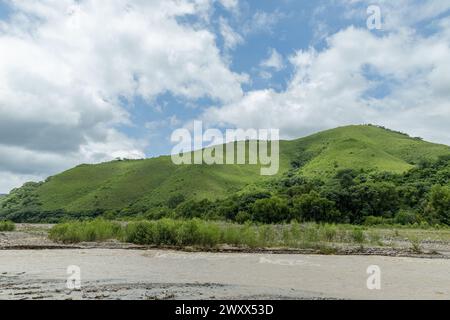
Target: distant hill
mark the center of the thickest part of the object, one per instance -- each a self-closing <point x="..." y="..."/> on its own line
<point x="145" y="183"/>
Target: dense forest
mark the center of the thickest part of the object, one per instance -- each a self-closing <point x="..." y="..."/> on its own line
<point x="420" y="196"/>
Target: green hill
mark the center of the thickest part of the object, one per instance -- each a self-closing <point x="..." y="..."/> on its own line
<point x="146" y="183"/>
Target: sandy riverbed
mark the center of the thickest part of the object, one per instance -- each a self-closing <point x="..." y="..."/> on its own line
<point x="156" y="274"/>
<point x="33" y="267"/>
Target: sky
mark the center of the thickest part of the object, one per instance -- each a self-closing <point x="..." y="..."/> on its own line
<point x="87" y="81"/>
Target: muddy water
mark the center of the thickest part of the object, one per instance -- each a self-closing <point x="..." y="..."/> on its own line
<point x="154" y="274"/>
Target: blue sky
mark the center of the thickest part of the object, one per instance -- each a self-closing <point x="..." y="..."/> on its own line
<point x="115" y="79"/>
<point x="292" y="25"/>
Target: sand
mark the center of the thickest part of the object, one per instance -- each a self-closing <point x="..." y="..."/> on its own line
<point x="163" y="274"/>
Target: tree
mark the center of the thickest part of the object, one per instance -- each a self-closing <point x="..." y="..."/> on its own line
<point x="313" y="207"/>
<point x="272" y="210"/>
<point x="367" y="199"/>
<point x="439" y="204"/>
<point x="194" y="209"/>
<point x="346" y="177"/>
<point x="175" y="200"/>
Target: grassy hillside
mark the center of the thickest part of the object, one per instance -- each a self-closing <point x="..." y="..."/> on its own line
<point x="366" y="147"/>
<point x="146" y="183"/>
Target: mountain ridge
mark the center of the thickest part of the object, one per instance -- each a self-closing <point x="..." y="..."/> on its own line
<point x="138" y="184"/>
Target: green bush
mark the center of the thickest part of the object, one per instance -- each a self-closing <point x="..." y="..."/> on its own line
<point x="7" y="226"/>
<point x="158" y="213"/>
<point x="86" y="231"/>
<point x="194" y="209"/>
<point x="175" y="200"/>
<point x="140" y="232"/>
<point x="377" y="221"/>
<point x="173" y="233"/>
<point x="357" y="235"/>
<point x="243" y="217"/>
<point x="211" y="234"/>
<point x="406" y="217"/>
<point x="329" y="232"/>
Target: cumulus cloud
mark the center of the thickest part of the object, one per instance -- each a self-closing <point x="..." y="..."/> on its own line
<point x="274" y="61"/>
<point x="230" y="37"/>
<point x="341" y="85"/>
<point x="262" y="21"/>
<point x="67" y="65"/>
<point x="230" y="4"/>
<point x="11" y="180"/>
<point x="400" y="13"/>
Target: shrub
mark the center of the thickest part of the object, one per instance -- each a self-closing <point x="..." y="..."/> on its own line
<point x="357" y="235"/>
<point x="329" y="232"/>
<point x="416" y="245"/>
<point x="158" y="213"/>
<point x="7" y="226"/>
<point x="406" y="217"/>
<point x="374" y="221"/>
<point x="311" y="233"/>
<point x="140" y="232"/>
<point x="194" y="209"/>
<point x="175" y="200"/>
<point x="89" y="231"/>
<point x="243" y="217"/>
<point x="173" y="233"/>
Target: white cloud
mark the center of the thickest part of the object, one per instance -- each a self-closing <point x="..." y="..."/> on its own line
<point x="171" y="122"/>
<point x="274" y="61"/>
<point x="66" y="65"/>
<point x="400" y="13"/>
<point x="262" y="21"/>
<point x="230" y="37"/>
<point x="331" y="87"/>
<point x="265" y="75"/>
<point x="230" y="4"/>
<point x="10" y="180"/>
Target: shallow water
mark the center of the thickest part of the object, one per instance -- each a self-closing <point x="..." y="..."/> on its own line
<point x="159" y="274"/>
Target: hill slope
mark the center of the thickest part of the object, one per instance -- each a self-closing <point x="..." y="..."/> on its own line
<point x="145" y="183"/>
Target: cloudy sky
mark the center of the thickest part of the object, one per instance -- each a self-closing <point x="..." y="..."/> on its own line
<point x="85" y="81"/>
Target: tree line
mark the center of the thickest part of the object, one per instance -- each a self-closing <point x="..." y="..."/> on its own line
<point x="419" y="196"/>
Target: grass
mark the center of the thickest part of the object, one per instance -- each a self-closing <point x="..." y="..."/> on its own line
<point x="358" y="235"/>
<point x="145" y="183"/>
<point x="416" y="245"/>
<point x="208" y="234"/>
<point x="86" y="231"/>
<point x="7" y="226"/>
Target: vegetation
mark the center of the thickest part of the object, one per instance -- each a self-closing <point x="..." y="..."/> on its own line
<point x="363" y="175"/>
<point x="6" y="226"/>
<point x="212" y="234"/>
<point x="86" y="231"/>
<point x="417" y="197"/>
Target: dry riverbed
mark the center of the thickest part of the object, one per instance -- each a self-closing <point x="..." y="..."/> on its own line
<point x="33" y="267"/>
<point x="162" y="274"/>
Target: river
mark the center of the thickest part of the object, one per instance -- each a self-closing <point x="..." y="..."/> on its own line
<point x="160" y="274"/>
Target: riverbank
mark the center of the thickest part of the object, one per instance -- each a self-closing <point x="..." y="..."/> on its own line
<point x="433" y="244"/>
